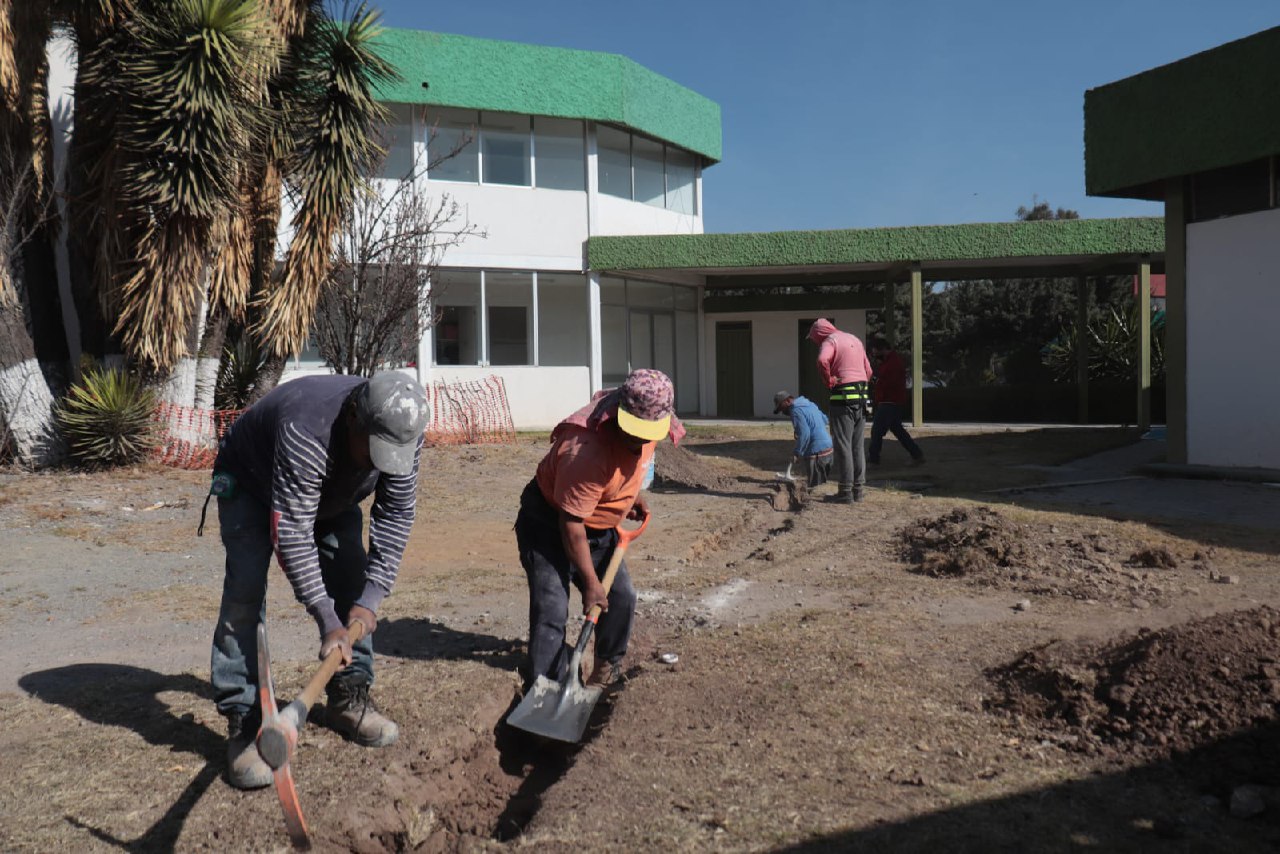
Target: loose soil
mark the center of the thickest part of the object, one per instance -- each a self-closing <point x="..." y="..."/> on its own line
<point x="919" y="671"/>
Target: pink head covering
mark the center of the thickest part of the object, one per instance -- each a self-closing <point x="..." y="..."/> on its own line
<point x="821" y="330"/>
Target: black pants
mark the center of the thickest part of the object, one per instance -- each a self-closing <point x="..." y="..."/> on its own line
<point x="549" y="572"/>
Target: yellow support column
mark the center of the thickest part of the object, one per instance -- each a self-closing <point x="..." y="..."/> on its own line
<point x="917" y="348"/>
<point x="1082" y="350"/>
<point x="1144" y="346"/>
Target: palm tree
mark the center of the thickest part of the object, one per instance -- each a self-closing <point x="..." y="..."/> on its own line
<point x="191" y="118"/>
<point x="332" y="123"/>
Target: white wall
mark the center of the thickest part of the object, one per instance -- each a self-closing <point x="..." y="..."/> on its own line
<point x="527" y="227"/>
<point x="623" y="216"/>
<point x="1233" y="306"/>
<point x="775" y="353"/>
<point x="539" y="397"/>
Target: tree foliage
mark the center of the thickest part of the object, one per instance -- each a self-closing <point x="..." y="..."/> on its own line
<point x="989" y="331"/>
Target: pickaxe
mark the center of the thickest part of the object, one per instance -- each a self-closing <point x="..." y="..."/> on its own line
<point x="279" y="734"/>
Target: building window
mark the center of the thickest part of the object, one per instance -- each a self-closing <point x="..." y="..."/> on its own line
<point x="614" y="159"/>
<point x="456" y="297"/>
<point x="644" y="170"/>
<point x="559" y="154"/>
<point x="509" y="304"/>
<point x="505" y="149"/>
<point x="452" y="152"/>
<point x="646" y="160"/>
<point x="681" y="181"/>
<point x="563" y="319"/>
<point x="398" y="140"/>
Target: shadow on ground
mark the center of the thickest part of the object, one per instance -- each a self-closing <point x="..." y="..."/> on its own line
<point x="1174" y="805"/>
<point x="128" y="697"/>
<point x="427" y="640"/>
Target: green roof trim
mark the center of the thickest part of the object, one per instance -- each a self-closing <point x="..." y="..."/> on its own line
<point x="1210" y="110"/>
<point x="483" y="74"/>
<point x="968" y="242"/>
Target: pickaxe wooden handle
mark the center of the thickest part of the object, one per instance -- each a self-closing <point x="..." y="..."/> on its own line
<point x="279" y="734"/>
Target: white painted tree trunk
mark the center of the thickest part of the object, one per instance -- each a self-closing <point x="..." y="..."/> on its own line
<point x="26" y="403"/>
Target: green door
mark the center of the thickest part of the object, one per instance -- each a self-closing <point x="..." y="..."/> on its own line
<point x="811" y="384"/>
<point x="733" y="370"/>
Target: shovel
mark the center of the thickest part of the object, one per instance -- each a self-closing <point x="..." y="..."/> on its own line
<point x="279" y="734"/>
<point x="560" y="710"/>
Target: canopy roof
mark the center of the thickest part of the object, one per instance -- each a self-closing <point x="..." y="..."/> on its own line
<point x="483" y="74"/>
<point x="1207" y="111"/>
<point x="1003" y="250"/>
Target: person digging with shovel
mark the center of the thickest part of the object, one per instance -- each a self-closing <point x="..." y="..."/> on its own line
<point x="584" y="487"/>
<point x="289" y="478"/>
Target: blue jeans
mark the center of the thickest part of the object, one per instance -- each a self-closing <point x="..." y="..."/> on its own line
<point x="549" y="572"/>
<point x="888" y="419"/>
<point x="246" y="535"/>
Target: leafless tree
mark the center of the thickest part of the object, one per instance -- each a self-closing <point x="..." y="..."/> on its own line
<point x="375" y="302"/>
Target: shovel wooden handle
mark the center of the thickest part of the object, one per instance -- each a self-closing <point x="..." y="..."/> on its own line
<point x="615" y="560"/>
<point x="328" y="667"/>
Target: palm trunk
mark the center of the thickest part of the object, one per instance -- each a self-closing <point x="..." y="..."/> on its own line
<point x="26" y="403"/>
<point x="211" y="346"/>
<point x="268" y="377"/>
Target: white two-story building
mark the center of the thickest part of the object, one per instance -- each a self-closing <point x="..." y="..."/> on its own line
<point x="557" y="146"/>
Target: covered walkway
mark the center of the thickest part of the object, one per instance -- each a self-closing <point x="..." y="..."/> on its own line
<point x="888" y="257"/>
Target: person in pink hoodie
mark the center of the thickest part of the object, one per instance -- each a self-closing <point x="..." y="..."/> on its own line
<point x="843" y="362"/>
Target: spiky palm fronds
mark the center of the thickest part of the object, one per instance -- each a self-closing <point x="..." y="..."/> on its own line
<point x="194" y="89"/>
<point x="8" y="64"/>
<point x="106" y="419"/>
<point x="238" y="374"/>
<point x="334" y="130"/>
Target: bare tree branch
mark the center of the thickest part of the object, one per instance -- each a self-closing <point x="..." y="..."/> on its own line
<point x="375" y="302"/>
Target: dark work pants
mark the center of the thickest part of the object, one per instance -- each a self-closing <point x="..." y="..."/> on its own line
<point x="246" y="534"/>
<point x="549" y="572"/>
<point x="888" y="419"/>
<point x="848" y="424"/>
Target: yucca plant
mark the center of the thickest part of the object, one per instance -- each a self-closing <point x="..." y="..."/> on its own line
<point x="242" y="362"/>
<point x="106" y="419"/>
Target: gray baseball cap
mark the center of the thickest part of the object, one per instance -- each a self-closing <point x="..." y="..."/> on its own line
<point x="393" y="408"/>
<point x="779" y="399"/>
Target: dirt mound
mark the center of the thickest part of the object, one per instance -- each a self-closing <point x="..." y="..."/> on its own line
<point x="1158" y="692"/>
<point x="983" y="547"/>
<point x="1155" y="558"/>
<point x="963" y="542"/>
<point x="680" y="468"/>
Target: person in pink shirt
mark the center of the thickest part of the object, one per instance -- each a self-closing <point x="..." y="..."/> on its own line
<point x="843" y="362"/>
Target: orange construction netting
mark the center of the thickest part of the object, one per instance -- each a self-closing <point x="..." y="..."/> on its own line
<point x="470" y="413"/>
<point x="189" y="437"/>
<point x="462" y="413"/>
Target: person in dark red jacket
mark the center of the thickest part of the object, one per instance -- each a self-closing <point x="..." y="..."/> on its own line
<point x="889" y="393"/>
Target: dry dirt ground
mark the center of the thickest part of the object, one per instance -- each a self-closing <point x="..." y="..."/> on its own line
<point x="941" y="667"/>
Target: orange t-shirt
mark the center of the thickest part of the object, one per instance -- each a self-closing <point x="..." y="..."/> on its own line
<point x="590" y="475"/>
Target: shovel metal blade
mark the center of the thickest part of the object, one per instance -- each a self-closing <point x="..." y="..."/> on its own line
<point x="558" y="710"/>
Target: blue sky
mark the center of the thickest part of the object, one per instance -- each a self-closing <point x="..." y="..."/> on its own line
<point x="868" y="113"/>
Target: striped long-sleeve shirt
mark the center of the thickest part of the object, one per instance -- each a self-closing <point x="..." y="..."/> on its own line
<point x="289" y="452"/>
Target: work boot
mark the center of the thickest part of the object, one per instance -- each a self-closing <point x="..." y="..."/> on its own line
<point x="245" y="768"/>
<point x="844" y="495"/>
<point x="351" y="712"/>
<point x="607" y="675"/>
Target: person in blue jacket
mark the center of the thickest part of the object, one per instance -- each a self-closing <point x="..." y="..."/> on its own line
<point x="812" y="454"/>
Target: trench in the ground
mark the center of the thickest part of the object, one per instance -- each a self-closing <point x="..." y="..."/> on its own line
<point x="491" y="786"/>
<point x="487" y="789"/>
